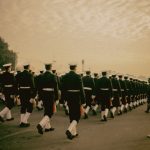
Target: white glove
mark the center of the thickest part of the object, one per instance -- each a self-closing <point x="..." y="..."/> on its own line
<point x="1" y="95"/>
<point x="32" y="100"/>
<point x="61" y="105"/>
<point x="57" y="102"/>
<point x="83" y="105"/>
<point x="12" y="96"/>
<point x="93" y="96"/>
<point x="112" y="98"/>
<point x="37" y="97"/>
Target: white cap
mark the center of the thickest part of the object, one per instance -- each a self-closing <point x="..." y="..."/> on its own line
<point x="12" y="72"/>
<point x="7" y="65"/>
<point x="26" y="64"/>
<point x="72" y="64"/>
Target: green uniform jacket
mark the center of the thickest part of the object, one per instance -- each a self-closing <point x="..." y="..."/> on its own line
<point x="48" y="80"/>
<point x="72" y="81"/>
<point x="26" y="79"/>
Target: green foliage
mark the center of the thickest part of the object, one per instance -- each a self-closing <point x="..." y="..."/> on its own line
<point x="6" y="55"/>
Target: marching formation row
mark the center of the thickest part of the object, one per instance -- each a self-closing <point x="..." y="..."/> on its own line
<point x="78" y="94"/>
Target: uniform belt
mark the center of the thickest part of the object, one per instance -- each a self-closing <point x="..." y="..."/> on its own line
<point x="73" y="90"/>
<point x="48" y="89"/>
<point x="87" y="88"/>
<point x="8" y="85"/>
<point x="115" y="89"/>
<point x="104" y="89"/>
<point x="24" y="87"/>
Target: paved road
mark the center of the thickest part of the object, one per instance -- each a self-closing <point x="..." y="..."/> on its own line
<point x="126" y="132"/>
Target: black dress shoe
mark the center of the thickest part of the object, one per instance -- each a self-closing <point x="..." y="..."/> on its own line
<point x="133" y="107"/>
<point x="27" y="124"/>
<point x="148" y="136"/>
<point x="66" y="112"/>
<point x="130" y="108"/>
<point x="111" y="115"/>
<point x="10" y="119"/>
<point x="85" y="116"/>
<point x="119" y="113"/>
<point x="39" y="109"/>
<point x="69" y="135"/>
<point x="40" y="129"/>
<point x="50" y="129"/>
<point x="105" y="119"/>
<point x="125" y="110"/>
<point x="94" y="112"/>
<point x="23" y="125"/>
<point x="102" y="120"/>
<point x="1" y="119"/>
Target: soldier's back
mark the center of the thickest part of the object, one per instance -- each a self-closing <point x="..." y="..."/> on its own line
<point x="103" y="82"/>
<point x="25" y="78"/>
<point x="71" y="80"/>
<point x="7" y="78"/>
<point x="47" y="79"/>
<point x="88" y="81"/>
<point x="115" y="83"/>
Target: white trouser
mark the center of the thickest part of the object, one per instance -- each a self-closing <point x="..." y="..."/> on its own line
<point x="72" y="126"/>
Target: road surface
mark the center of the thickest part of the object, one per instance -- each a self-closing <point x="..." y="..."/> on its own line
<point x="125" y="132"/>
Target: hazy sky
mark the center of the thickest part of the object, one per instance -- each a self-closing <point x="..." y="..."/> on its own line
<point x="107" y="34"/>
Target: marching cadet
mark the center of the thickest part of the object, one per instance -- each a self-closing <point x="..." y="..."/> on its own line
<point x="128" y="92"/>
<point x="111" y="109"/>
<point x="148" y="97"/>
<point x="133" y="93"/>
<point x="96" y="77"/>
<point x="0" y="80"/>
<point x="49" y="94"/>
<point x="57" y="77"/>
<point x="103" y="94"/>
<point x="65" y="106"/>
<point x="1" y="94"/>
<point x="39" y="99"/>
<point x="58" y="81"/>
<point x="26" y="87"/>
<point x="9" y="90"/>
<point x="16" y="77"/>
<point x="123" y="87"/>
<point x="73" y="92"/>
<point x="137" y="91"/>
<point x="88" y="83"/>
<point x="95" y="106"/>
<point x="148" y="100"/>
<point x="145" y="88"/>
<point x="141" y="91"/>
<point x="116" y="95"/>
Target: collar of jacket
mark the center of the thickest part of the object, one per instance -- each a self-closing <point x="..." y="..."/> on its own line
<point x="48" y="71"/>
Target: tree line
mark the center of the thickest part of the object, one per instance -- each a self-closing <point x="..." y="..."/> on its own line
<point x="7" y="55"/>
